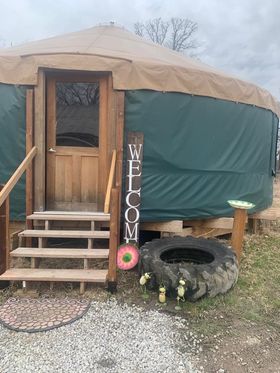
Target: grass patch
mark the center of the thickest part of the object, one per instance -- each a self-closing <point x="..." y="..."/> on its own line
<point x="256" y="296"/>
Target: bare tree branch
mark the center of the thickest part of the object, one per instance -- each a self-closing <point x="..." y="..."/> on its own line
<point x="176" y="33"/>
<point x="139" y="29"/>
<point x="181" y="34"/>
<point x="77" y="94"/>
<point x="157" y="30"/>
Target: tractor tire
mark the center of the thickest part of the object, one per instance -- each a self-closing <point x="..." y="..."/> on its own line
<point x="208" y="266"/>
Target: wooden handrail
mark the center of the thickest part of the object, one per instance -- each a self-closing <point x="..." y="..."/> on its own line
<point x="110" y="182"/>
<point x="4" y="209"/>
<point x="17" y="175"/>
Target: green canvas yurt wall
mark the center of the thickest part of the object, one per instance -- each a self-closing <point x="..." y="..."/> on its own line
<point x="200" y="152"/>
<point x="12" y="143"/>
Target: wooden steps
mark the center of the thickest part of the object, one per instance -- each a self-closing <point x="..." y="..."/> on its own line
<point x="33" y="252"/>
<point x="55" y="275"/>
<point x="64" y="234"/>
<point x="43" y="250"/>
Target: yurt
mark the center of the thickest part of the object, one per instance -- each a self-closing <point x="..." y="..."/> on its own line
<point x="207" y="137"/>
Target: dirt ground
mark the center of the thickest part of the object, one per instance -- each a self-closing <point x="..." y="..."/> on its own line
<point x="242" y="346"/>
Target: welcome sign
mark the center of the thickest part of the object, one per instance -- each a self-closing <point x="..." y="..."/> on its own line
<point x="133" y="186"/>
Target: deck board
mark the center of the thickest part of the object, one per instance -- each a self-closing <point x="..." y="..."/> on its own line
<point x="33" y="252"/>
<point x="69" y="216"/>
<point x="71" y="275"/>
<point x="64" y="234"/>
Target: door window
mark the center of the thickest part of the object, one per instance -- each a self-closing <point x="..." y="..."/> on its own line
<point x="77" y="114"/>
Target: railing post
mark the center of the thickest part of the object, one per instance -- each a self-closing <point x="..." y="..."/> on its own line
<point x="4" y="239"/>
<point x="113" y="243"/>
<point x="239" y="224"/>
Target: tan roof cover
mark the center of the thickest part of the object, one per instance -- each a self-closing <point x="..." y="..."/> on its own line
<point x="135" y="64"/>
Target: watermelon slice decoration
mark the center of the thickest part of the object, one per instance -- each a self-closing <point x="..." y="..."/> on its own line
<point x="127" y="257"/>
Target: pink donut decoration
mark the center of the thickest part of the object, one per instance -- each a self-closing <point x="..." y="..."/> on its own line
<point x="127" y="257"/>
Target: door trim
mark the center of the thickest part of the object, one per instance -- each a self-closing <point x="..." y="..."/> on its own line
<point x="39" y="142"/>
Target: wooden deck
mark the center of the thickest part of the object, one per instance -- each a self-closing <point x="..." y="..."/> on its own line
<point x="261" y="221"/>
<point x="272" y="213"/>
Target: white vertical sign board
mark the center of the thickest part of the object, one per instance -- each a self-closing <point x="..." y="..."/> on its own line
<point x="134" y="158"/>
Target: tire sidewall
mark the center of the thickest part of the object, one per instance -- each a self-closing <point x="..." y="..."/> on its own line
<point x="208" y="279"/>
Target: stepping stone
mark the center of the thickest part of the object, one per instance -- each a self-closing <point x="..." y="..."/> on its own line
<point x="35" y="315"/>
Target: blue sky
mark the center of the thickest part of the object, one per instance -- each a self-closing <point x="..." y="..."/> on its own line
<point x="239" y="36"/>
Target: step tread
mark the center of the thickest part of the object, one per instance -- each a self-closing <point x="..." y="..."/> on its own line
<point x="42" y="274"/>
<point x="64" y="233"/>
<point x="69" y="216"/>
<point x="34" y="252"/>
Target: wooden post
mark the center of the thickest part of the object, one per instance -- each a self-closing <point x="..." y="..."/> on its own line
<point x="253" y="225"/>
<point x="29" y="170"/>
<point x="4" y="239"/>
<point x="113" y="244"/>
<point x="39" y="141"/>
<point x="119" y="148"/>
<point x="103" y="165"/>
<point x="240" y="217"/>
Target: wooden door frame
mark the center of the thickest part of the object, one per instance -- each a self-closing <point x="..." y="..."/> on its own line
<point x="39" y="141"/>
<point x="106" y="120"/>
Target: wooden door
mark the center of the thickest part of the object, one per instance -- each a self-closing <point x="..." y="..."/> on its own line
<point x="76" y="145"/>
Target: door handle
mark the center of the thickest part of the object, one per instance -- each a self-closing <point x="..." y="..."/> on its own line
<point x="51" y="150"/>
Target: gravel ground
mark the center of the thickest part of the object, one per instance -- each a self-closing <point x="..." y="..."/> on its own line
<point x="109" y="338"/>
